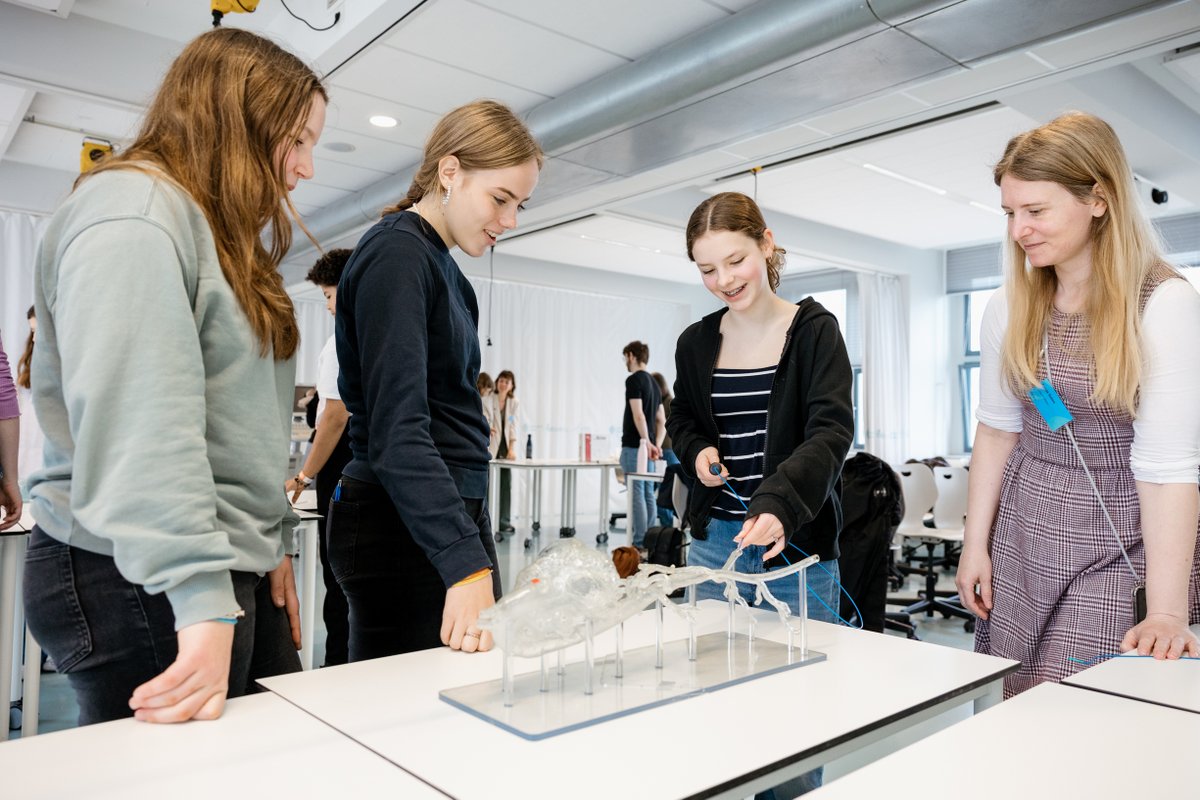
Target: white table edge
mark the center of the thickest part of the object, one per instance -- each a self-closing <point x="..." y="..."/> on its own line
<point x="984" y="692"/>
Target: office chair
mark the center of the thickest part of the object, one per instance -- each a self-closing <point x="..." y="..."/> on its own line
<point x="919" y="484"/>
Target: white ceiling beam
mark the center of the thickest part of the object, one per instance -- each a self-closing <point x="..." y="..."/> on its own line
<point x="95" y="59"/>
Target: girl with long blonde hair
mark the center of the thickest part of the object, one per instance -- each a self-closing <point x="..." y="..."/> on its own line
<point x="157" y="577"/>
<point x="410" y="538"/>
<point x="1090" y="306"/>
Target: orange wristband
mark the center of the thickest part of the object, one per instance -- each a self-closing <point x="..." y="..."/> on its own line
<point x="477" y="576"/>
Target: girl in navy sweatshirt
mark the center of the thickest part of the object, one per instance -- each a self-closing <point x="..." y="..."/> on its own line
<point x="410" y="540"/>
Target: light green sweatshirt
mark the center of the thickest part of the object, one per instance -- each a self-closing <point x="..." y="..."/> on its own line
<point x="167" y="432"/>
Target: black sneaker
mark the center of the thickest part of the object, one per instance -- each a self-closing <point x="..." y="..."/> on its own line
<point x="506" y="528"/>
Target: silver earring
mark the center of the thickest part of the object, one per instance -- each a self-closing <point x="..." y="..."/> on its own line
<point x="446" y="198"/>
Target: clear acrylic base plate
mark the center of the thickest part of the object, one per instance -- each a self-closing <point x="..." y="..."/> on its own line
<point x="565" y="706"/>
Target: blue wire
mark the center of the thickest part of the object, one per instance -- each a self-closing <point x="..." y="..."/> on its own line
<point x="1087" y="662"/>
<point x="819" y="564"/>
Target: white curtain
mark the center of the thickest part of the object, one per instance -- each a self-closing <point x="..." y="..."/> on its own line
<point x="19" y="237"/>
<point x="316" y="326"/>
<point x="885" y="367"/>
<point x="564" y="348"/>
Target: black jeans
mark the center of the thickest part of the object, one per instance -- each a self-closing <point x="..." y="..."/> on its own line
<point x="396" y="596"/>
<point x="109" y="636"/>
<point x="335" y="611"/>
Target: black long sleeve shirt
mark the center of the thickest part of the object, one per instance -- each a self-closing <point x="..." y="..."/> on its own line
<point x="408" y="346"/>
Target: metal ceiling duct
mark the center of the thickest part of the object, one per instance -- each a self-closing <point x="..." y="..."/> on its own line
<point x="776" y="61"/>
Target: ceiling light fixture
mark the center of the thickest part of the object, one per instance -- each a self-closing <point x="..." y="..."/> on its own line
<point x="911" y="181"/>
<point x="987" y="208"/>
<point x="383" y="121"/>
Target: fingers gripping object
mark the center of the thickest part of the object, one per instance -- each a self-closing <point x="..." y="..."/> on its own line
<point x="715" y="469"/>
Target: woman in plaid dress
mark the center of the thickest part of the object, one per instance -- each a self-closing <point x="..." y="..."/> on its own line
<point x="1090" y="304"/>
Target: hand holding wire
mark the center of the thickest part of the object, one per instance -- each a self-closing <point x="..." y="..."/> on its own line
<point x="762" y="529"/>
<point x="708" y="467"/>
<point x="769" y="521"/>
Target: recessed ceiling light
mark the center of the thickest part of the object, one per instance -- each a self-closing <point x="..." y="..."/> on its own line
<point x="383" y="121"/>
<point x="339" y="147"/>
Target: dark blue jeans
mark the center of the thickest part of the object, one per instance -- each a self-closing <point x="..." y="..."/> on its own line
<point x="109" y="636"/>
<point x="666" y="514"/>
<point x="396" y="596"/>
<point x="334" y="611"/>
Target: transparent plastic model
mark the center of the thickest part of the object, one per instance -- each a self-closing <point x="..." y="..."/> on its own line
<point x="572" y="591"/>
<point x="572" y="594"/>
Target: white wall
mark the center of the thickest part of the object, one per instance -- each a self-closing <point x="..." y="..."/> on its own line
<point x="560" y="329"/>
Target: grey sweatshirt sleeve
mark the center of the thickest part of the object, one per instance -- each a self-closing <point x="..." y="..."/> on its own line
<point x="134" y="389"/>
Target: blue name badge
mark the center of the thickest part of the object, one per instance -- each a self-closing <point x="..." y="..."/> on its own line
<point x="1050" y="406"/>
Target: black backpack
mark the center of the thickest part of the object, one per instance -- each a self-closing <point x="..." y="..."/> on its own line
<point x="664" y="545"/>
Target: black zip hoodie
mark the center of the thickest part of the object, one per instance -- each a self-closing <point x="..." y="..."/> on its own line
<point x="810" y="426"/>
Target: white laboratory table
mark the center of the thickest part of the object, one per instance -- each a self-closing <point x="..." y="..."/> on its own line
<point x="537" y="466"/>
<point x="1049" y="742"/>
<point x="1175" y="684"/>
<point x="310" y="561"/>
<point x="727" y="743"/>
<point x="261" y="747"/>
<point x="12" y="631"/>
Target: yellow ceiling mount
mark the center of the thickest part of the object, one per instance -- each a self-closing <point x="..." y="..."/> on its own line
<point x="222" y="7"/>
<point x="93" y="150"/>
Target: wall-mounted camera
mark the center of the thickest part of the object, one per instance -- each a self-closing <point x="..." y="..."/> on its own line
<point x="1151" y="195"/>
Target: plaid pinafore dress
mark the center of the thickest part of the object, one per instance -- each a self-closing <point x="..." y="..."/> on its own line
<point x="1060" y="588"/>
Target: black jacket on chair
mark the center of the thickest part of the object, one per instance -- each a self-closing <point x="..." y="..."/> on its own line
<point x="810" y="426"/>
<point x="872" y="507"/>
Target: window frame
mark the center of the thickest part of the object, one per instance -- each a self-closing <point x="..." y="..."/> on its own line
<point x="964" y="387"/>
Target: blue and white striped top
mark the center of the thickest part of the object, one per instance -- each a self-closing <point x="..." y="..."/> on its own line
<point x="739" y="403"/>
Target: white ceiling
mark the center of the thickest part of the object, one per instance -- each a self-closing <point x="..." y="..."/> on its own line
<point x="382" y="59"/>
<point x="954" y="157"/>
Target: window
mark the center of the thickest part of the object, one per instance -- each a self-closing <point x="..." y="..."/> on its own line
<point x="837" y="291"/>
<point x="834" y="302"/>
<point x="860" y="441"/>
<point x="968" y="378"/>
<point x="974" y="304"/>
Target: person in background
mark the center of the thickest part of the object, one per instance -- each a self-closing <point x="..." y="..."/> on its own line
<point x="309" y="402"/>
<point x="644" y="420"/>
<point x="505" y="409"/>
<point x="32" y="438"/>
<point x="486" y="386"/>
<point x="762" y="393"/>
<point x="665" y="515"/>
<point x="327" y="457"/>
<point x="10" y="444"/>
<point x="1089" y="305"/>
<point x="410" y="540"/>
<point x="156" y="576"/>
